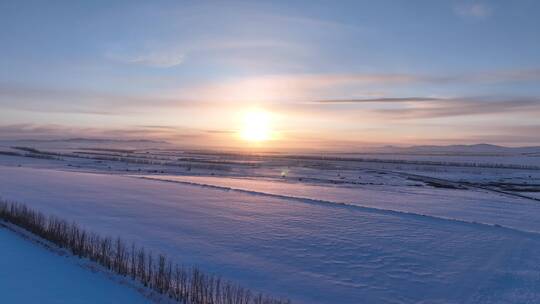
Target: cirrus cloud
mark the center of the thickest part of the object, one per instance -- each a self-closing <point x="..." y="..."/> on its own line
<point x="474" y="10"/>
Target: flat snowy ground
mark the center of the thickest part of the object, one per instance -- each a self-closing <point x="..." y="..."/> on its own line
<point x="311" y="252"/>
<point x="30" y="273"/>
<point x="471" y="205"/>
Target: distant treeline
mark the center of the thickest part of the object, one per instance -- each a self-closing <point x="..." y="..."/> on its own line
<point x="34" y="153"/>
<point x="127" y="159"/>
<point x="412" y="162"/>
<point x="9" y="153"/>
<point x="186" y="285"/>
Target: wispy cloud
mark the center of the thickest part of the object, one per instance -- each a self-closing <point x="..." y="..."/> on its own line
<point x="223" y="49"/>
<point x="408" y="109"/>
<point x="280" y="88"/>
<point x="493" y="76"/>
<point x="164" y="58"/>
<point x="515" y="75"/>
<point x="158" y="60"/>
<point x="298" y="87"/>
<point x="287" y="87"/>
<point x="378" y="100"/>
<point x="473" y="10"/>
<point x="171" y="35"/>
<point x="56" y="132"/>
<point x="39" y="99"/>
<point x="439" y="108"/>
<point x="273" y="87"/>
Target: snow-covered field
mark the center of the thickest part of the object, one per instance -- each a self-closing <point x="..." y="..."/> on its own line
<point x="314" y="231"/>
<point x="29" y="273"/>
<point x="490" y="158"/>
<point x="476" y="205"/>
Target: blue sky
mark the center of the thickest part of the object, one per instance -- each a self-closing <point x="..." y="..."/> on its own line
<point x="399" y="72"/>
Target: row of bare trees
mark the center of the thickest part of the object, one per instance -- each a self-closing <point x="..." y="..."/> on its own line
<point x="187" y="285"/>
<point x="410" y="162"/>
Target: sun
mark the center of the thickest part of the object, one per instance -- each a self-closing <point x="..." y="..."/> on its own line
<point x="256" y="126"/>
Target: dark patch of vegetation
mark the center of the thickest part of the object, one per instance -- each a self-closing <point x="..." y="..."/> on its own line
<point x="436" y="184"/>
<point x="110" y="150"/>
<point x="524" y="187"/>
<point x="41" y="156"/>
<point x="9" y="153"/>
<point x="35" y="153"/>
<point x="27" y="149"/>
<point x="156" y="272"/>
<point x="411" y="162"/>
<point x="144" y="160"/>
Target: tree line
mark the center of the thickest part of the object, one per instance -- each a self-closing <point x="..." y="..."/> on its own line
<point x="186" y="285"/>
<point x="412" y="162"/>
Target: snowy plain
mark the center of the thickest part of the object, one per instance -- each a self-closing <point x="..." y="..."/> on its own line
<point x="315" y="231"/>
<point x="310" y="252"/>
<point x="477" y="205"/>
<point x="30" y="273"/>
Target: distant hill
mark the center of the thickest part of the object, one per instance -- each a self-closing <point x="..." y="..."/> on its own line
<point x="86" y="143"/>
<point x="458" y="149"/>
<point x="95" y="140"/>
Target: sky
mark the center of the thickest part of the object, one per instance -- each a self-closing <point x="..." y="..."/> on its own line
<point x="320" y="74"/>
